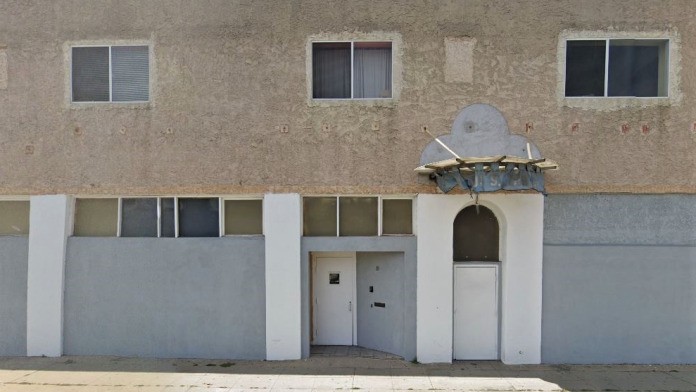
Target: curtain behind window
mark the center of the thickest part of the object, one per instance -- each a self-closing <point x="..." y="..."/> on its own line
<point x="373" y="71"/>
<point x="331" y="70"/>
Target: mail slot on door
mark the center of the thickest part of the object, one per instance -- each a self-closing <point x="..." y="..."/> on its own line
<point x="380" y="304"/>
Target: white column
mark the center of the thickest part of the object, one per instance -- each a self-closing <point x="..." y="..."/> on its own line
<point x="521" y="265"/>
<point x="434" y="215"/>
<point x="282" y="229"/>
<point x="50" y="224"/>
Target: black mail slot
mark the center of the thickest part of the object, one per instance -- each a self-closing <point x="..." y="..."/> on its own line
<point x="380" y="304"/>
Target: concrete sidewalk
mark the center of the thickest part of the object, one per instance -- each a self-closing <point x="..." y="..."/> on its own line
<point x="328" y="373"/>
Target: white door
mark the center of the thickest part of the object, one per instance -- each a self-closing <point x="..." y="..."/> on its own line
<point x="334" y="282"/>
<point x="476" y="311"/>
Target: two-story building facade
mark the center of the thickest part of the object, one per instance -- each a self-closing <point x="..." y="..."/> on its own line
<point x="235" y="179"/>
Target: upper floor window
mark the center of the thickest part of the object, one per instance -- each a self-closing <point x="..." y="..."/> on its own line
<point x="110" y="73"/>
<point x="351" y="70"/>
<point x="617" y="68"/>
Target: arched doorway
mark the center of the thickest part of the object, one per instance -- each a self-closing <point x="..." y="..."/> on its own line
<point x="476" y="243"/>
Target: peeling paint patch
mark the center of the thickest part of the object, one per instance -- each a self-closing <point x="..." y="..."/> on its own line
<point x="459" y="59"/>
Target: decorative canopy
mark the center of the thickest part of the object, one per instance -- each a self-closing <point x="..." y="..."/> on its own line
<point x="481" y="155"/>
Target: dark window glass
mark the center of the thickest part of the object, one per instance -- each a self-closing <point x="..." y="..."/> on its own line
<point x="319" y="216"/>
<point x="331" y="70"/>
<point x="90" y="74"/>
<point x="585" y="68"/>
<point x="633" y="69"/>
<point x="167" y="217"/>
<point x="139" y="217"/>
<point x="476" y="235"/>
<point x="199" y="217"/>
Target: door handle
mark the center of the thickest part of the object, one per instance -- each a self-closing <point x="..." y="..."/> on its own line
<point x="350" y="306"/>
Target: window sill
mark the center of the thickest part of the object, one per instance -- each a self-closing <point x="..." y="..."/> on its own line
<point x="109" y="105"/>
<point x="369" y="102"/>
<point x="615" y="103"/>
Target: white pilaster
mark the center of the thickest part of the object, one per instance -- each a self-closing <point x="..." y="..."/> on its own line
<point x="282" y="224"/>
<point x="50" y="225"/>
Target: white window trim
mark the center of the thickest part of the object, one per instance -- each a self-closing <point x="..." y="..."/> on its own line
<point x="352" y="71"/>
<point x="607" y="41"/>
<point x="617" y="103"/>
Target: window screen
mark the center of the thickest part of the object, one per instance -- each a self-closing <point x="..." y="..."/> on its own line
<point x="243" y="217"/>
<point x="139" y="217"/>
<point x="319" y="216"/>
<point x="397" y="216"/>
<point x="130" y="70"/>
<point x="90" y="74"/>
<point x="14" y="217"/>
<point x="358" y="216"/>
<point x="585" y="68"/>
<point x="96" y="217"/>
<point x="199" y="217"/>
<point x="476" y="235"/>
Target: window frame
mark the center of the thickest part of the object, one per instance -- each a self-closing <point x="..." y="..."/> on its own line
<point x="221" y="213"/>
<point x="110" y="46"/>
<point x="352" y="72"/>
<point x="607" y="40"/>
<point x="380" y="213"/>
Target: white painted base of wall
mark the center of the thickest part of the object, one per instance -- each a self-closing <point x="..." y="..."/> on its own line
<point x="521" y="219"/>
<point x="50" y="223"/>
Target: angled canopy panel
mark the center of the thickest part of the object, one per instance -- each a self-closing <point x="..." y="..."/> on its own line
<point x="488" y="157"/>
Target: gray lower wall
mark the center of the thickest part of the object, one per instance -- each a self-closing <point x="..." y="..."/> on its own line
<point x="159" y="297"/>
<point x="381" y="328"/>
<point x="405" y="245"/>
<point x="619" y="282"/>
<point x="13" y="296"/>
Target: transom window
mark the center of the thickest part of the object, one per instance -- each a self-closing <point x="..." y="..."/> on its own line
<point x="351" y="70"/>
<point x="167" y="217"/>
<point x="617" y="68"/>
<point x="349" y="216"/>
<point x="110" y="73"/>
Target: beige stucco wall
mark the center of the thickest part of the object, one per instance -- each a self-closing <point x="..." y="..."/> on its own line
<point x="229" y="75"/>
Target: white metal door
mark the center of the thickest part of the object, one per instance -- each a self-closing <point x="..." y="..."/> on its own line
<point x="334" y="281"/>
<point x="476" y="311"/>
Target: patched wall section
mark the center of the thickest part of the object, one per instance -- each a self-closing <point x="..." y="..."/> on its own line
<point x="13" y="296"/>
<point x="459" y="60"/>
<point x="619" y="279"/>
<point x="171" y="298"/>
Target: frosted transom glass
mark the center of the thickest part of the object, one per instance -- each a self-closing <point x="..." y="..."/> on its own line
<point x="358" y="216"/>
<point x="319" y="216"/>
